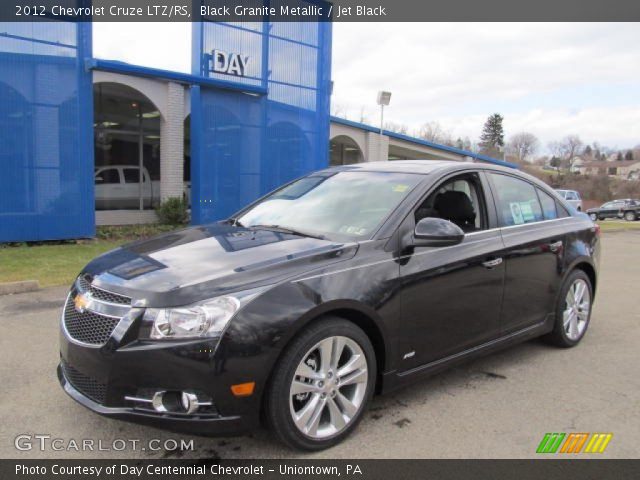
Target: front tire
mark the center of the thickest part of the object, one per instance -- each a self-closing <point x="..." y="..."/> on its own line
<point x="593" y="216"/>
<point x="573" y="310"/>
<point x="322" y="385"/>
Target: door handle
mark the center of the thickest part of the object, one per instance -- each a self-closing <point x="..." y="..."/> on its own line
<point x="555" y="246"/>
<point x="494" y="262"/>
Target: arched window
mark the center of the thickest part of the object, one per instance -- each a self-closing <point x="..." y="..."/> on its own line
<point x="344" y="151"/>
<point x="127" y="137"/>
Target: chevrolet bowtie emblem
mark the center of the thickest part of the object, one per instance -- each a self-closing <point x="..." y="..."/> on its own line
<point x="81" y="302"/>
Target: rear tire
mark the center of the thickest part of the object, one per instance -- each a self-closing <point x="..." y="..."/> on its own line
<point x="630" y="216"/>
<point x="573" y="310"/>
<point x="322" y="385"/>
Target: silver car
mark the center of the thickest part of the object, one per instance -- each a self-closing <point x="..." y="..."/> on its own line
<point x="572" y="197"/>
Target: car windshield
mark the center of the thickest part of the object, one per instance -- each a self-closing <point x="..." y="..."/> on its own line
<point x="336" y="204"/>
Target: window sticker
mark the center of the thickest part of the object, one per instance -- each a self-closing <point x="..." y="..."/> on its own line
<point x="527" y="212"/>
<point x="399" y="187"/>
<point x="516" y="213"/>
<point x="353" y="230"/>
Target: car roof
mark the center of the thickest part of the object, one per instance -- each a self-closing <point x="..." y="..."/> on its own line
<point x="423" y="167"/>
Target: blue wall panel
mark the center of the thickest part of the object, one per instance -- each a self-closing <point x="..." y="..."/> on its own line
<point x="46" y="132"/>
<point x="244" y="145"/>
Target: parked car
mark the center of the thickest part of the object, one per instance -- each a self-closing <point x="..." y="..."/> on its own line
<point x="349" y="281"/>
<point x="118" y="187"/>
<point x="572" y="197"/>
<point x="628" y="208"/>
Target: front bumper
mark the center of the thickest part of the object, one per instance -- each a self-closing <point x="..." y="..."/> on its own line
<point x="219" y="425"/>
<point x="103" y="378"/>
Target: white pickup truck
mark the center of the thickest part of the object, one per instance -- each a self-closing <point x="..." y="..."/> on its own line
<point x="118" y="187"/>
<point x="572" y="197"/>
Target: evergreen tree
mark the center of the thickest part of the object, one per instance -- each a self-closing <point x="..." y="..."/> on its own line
<point x="619" y="157"/>
<point x="492" y="137"/>
<point x="628" y="155"/>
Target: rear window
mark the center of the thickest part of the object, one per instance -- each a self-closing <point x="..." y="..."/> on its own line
<point x="572" y="196"/>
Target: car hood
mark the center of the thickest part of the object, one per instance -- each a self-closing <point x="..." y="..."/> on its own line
<point x="196" y="263"/>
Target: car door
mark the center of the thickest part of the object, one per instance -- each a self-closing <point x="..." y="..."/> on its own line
<point x="108" y="188"/>
<point x="606" y="210"/>
<point x="450" y="296"/>
<point x="534" y="240"/>
<point x="132" y="187"/>
<point x="615" y="209"/>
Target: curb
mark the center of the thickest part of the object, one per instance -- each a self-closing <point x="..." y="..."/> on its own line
<point x="19" y="287"/>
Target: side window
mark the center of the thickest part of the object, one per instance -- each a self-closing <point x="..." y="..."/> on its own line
<point x="571" y="196"/>
<point x="108" y="175"/>
<point x="562" y="212"/>
<point x="517" y="202"/>
<point x="131" y="175"/>
<point x="459" y="200"/>
<point x="548" y="205"/>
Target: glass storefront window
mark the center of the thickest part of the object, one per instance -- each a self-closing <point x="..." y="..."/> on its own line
<point x="127" y="139"/>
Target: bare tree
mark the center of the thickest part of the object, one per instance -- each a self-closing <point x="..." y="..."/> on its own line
<point x="524" y="145"/>
<point x="363" y="116"/>
<point x="396" y="127"/>
<point x="434" y="132"/>
<point x="338" y="110"/>
<point x="571" y="145"/>
<point x="566" y="149"/>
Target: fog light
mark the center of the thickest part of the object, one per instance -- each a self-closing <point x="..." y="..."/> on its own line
<point x="158" y="402"/>
<point x="173" y="401"/>
<point x="189" y="402"/>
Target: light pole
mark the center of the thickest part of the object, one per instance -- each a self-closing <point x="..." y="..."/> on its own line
<point x="383" y="100"/>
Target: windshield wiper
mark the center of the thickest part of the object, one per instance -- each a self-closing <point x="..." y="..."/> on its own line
<point x="280" y="228"/>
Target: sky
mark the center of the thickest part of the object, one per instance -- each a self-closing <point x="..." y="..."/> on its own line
<point x="550" y="79"/>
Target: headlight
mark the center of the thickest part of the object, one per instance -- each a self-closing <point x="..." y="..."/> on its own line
<point x="204" y="319"/>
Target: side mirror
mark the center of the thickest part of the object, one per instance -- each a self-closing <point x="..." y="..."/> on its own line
<point x="436" y="232"/>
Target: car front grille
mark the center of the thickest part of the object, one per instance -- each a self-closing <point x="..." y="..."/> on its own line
<point x="88" y="327"/>
<point x="100" y="294"/>
<point x="94" y="322"/>
<point x="84" y="384"/>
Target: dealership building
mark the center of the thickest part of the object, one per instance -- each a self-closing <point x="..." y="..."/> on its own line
<point x="89" y="142"/>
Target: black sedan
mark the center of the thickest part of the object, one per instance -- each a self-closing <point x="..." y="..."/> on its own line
<point x="349" y="281"/>
<point x="627" y="208"/>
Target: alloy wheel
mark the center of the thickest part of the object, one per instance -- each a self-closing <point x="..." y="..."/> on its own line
<point x="329" y="387"/>
<point x="577" y="308"/>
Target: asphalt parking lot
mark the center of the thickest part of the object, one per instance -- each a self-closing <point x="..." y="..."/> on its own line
<point x="496" y="407"/>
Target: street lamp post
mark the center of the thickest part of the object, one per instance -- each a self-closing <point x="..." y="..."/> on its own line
<point x="383" y="100"/>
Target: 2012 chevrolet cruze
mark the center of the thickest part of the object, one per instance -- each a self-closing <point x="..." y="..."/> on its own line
<point x="345" y="282"/>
